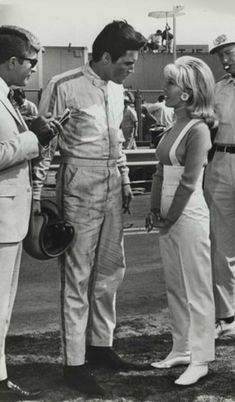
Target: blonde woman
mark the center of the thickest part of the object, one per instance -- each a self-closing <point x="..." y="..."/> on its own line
<point x="179" y="210"/>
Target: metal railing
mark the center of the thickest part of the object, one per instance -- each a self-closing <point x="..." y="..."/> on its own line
<point x="141" y="162"/>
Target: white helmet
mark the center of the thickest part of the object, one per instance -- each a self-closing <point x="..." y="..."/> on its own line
<point x="221" y="41"/>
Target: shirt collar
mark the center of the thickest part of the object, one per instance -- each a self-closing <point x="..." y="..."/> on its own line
<point x="4" y="87"/>
<point x="229" y="79"/>
<point x="93" y="77"/>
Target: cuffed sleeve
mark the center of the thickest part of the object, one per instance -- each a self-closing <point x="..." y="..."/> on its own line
<point x="122" y="162"/>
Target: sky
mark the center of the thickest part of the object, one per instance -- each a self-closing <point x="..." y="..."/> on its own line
<point x="58" y="23"/>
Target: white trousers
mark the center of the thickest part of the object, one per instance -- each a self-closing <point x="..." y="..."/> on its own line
<point x="10" y="256"/>
<point x="93" y="268"/>
<point x="220" y="196"/>
<point x="185" y="252"/>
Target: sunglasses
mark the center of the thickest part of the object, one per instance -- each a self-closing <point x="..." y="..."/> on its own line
<point x="33" y="62"/>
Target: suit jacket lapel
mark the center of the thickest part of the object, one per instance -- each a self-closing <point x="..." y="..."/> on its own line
<point x="22" y="126"/>
<point x="21" y="120"/>
<point x="13" y="112"/>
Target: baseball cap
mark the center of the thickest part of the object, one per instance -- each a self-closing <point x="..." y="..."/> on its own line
<point x="220" y="42"/>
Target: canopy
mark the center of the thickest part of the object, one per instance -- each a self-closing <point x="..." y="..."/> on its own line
<point x="164" y="14"/>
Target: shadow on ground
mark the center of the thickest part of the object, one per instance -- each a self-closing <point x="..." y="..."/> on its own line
<point x="35" y="360"/>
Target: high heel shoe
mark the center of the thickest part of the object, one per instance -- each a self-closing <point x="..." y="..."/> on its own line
<point x="173" y="359"/>
<point x="192" y="374"/>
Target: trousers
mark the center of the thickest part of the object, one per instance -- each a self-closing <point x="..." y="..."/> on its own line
<point x="90" y="197"/>
<point x="185" y="252"/>
<point x="220" y="196"/>
<point x="10" y="256"/>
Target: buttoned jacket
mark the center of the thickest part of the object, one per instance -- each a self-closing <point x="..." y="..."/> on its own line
<point x="18" y="145"/>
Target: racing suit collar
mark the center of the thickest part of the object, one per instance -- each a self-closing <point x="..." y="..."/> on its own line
<point x="93" y="77"/>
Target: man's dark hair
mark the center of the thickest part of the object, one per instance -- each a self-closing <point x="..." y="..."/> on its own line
<point x="116" y="38"/>
<point x="161" y="98"/>
<point x="16" y="41"/>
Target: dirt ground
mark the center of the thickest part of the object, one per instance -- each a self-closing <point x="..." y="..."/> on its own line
<point x="35" y="360"/>
<point x="142" y="334"/>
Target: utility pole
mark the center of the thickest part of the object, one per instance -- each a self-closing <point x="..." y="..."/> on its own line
<point x="177" y="11"/>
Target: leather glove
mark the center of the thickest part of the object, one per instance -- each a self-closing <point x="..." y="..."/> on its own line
<point x="42" y="129"/>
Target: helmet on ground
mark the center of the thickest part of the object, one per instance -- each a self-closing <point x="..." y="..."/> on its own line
<point x="220" y="42"/>
<point x="48" y="236"/>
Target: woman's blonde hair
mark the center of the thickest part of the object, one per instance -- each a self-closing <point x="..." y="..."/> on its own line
<point x="194" y="77"/>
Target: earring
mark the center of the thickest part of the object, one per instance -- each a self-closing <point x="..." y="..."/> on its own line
<point x="184" y="96"/>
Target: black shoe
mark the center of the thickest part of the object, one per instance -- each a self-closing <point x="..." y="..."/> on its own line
<point x="9" y="388"/>
<point x="81" y="379"/>
<point x="106" y="357"/>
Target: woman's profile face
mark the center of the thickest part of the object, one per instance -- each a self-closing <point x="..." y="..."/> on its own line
<point x="173" y="94"/>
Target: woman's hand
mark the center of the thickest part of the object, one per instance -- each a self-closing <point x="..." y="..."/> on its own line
<point x="151" y="220"/>
<point x="154" y="219"/>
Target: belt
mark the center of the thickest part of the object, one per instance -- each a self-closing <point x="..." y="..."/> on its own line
<point x="88" y="162"/>
<point x="225" y="148"/>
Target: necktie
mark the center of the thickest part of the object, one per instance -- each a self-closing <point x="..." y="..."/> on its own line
<point x="22" y="126"/>
<point x="11" y="97"/>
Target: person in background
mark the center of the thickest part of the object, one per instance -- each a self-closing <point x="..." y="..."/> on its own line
<point x="220" y="190"/>
<point x="129" y="124"/>
<point x="167" y="39"/>
<point x="148" y="122"/>
<point x="179" y="210"/>
<point x="18" y="145"/>
<point x="164" y="115"/>
<point x="93" y="188"/>
<point x="155" y="41"/>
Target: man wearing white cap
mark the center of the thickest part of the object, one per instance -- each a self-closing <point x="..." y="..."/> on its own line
<point x="220" y="191"/>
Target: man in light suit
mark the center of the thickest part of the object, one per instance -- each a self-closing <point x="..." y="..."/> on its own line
<point x="219" y="191"/>
<point x="18" y="145"/>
